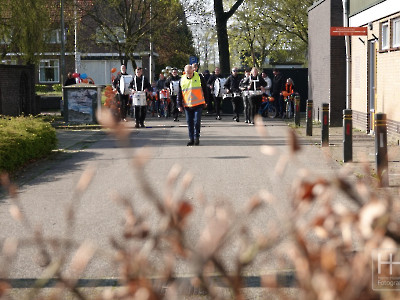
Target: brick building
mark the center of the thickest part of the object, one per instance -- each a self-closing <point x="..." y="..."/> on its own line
<point x="85" y="50"/>
<point x="375" y="63"/>
<point x="327" y="60"/>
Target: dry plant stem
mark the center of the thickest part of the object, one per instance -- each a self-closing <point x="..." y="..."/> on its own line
<point x="139" y="162"/>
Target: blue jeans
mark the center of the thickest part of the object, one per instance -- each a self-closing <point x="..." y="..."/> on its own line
<point x="193" y="119"/>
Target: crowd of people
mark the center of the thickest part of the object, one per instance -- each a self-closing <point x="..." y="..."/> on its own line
<point x="194" y="91"/>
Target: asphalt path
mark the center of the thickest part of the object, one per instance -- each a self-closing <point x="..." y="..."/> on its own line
<point x="228" y="167"/>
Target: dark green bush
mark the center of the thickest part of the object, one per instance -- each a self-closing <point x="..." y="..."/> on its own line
<point x="23" y="139"/>
<point x="42" y="88"/>
<point x="57" y="88"/>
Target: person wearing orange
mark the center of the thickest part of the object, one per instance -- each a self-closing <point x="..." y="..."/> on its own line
<point x="191" y="97"/>
<point x="288" y="88"/>
<point x="286" y="93"/>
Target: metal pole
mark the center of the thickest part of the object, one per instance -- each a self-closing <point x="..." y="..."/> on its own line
<point x="381" y="149"/>
<point x="297" y="110"/>
<point x="325" y="125"/>
<point x="151" y="52"/>
<point x="348" y="135"/>
<point x="62" y="54"/>
<point x="77" y="55"/>
<point x="309" y="120"/>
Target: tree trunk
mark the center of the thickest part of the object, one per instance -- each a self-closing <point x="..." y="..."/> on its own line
<point x="223" y="46"/>
<point x="222" y="18"/>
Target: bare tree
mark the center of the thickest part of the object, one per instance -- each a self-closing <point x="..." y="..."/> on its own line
<point x="123" y="25"/>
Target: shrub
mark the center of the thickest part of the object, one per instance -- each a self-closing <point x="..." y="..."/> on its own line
<point x="23" y="139"/>
<point x="41" y="88"/>
<point x="57" y="88"/>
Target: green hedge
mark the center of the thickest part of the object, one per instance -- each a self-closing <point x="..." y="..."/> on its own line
<point x="23" y="139"/>
<point x="45" y="88"/>
<point x="42" y="88"/>
<point x="57" y="88"/>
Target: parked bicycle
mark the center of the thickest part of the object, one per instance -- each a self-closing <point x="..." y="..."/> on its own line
<point x="289" y="106"/>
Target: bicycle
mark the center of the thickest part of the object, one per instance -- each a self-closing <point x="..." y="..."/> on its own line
<point x="267" y="109"/>
<point x="289" y="106"/>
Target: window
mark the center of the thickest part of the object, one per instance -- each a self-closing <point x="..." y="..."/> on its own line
<point x="112" y="35"/>
<point x="396" y="32"/>
<point x="49" y="70"/>
<point x="8" y="62"/>
<point x="6" y="37"/>
<point x="53" y="36"/>
<point x="385" y="36"/>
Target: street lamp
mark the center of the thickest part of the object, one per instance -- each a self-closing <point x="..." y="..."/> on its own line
<point x="62" y="54"/>
<point x="345" y="4"/>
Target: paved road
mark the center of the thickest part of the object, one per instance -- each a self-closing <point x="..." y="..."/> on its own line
<point x="228" y="166"/>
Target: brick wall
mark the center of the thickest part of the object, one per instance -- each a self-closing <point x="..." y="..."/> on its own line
<point x="359" y="84"/>
<point x="17" y="90"/>
<point x="387" y="84"/>
<point x="327" y="60"/>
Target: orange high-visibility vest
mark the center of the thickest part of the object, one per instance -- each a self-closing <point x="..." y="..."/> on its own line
<point x="192" y="91"/>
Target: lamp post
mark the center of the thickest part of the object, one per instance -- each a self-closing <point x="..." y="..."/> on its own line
<point x="62" y="54"/>
<point x="151" y="51"/>
<point x="77" y="54"/>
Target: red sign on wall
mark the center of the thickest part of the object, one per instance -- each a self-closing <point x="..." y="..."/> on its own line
<point x="342" y="31"/>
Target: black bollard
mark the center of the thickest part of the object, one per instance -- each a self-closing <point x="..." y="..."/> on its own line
<point x="347" y="135"/>
<point x="309" y="119"/>
<point x="381" y="149"/>
<point x="325" y="125"/>
<point x="297" y="110"/>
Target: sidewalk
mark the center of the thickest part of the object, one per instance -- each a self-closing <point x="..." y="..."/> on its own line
<point x="363" y="150"/>
<point x="363" y="145"/>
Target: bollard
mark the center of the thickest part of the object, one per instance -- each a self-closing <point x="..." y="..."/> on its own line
<point x="297" y="110"/>
<point x="325" y="125"/>
<point x="381" y="149"/>
<point x="309" y="118"/>
<point x="347" y="135"/>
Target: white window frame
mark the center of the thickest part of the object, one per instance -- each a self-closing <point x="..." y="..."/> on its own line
<point x="396" y="33"/>
<point x="53" y="36"/>
<point x="101" y="37"/>
<point x="9" y="62"/>
<point x="385" y="36"/>
<point x="5" y="39"/>
<point x="49" y="64"/>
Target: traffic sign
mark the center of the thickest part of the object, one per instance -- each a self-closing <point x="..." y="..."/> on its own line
<point x="193" y="60"/>
<point x="342" y="31"/>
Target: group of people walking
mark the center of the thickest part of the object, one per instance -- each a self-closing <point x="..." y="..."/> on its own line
<point x="138" y="86"/>
<point x="195" y="91"/>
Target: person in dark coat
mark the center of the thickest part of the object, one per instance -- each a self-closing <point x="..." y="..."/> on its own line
<point x="123" y="99"/>
<point x="210" y="107"/>
<point x="70" y="80"/>
<point x="140" y="84"/>
<point x="232" y="85"/>
<point x="278" y="85"/>
<point x="217" y="98"/>
<point x="172" y="83"/>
